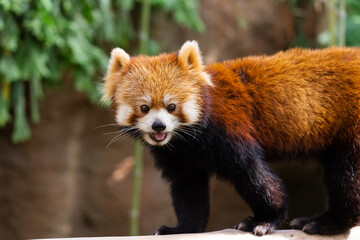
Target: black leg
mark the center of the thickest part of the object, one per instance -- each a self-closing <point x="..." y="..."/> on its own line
<point x="263" y="191"/>
<point x="190" y="196"/>
<point x="342" y="177"/>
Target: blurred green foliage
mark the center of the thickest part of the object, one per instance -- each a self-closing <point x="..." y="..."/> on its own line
<point x="352" y="20"/>
<point x="353" y="23"/>
<point x="184" y="12"/>
<point x="41" y="40"/>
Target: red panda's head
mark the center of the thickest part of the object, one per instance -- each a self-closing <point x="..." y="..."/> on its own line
<point x="157" y="95"/>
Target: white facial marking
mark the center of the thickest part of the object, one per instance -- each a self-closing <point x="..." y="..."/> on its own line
<point x="167" y="99"/>
<point x="145" y="124"/>
<point x="192" y="110"/>
<point x="146" y="98"/>
<point x="170" y="121"/>
<point x="123" y="114"/>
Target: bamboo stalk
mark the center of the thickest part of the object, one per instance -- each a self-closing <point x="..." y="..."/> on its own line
<point x="144" y="27"/>
<point x="21" y="130"/>
<point x="34" y="99"/>
<point x="136" y="195"/>
<point x="331" y="7"/>
<point x="342" y="23"/>
<point x="4" y="103"/>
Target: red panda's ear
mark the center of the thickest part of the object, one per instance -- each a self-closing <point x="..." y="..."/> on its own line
<point x="190" y="58"/>
<point x="118" y="60"/>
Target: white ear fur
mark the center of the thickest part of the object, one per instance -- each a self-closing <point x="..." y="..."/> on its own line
<point x="119" y="57"/>
<point x="118" y="60"/>
<point x="190" y="57"/>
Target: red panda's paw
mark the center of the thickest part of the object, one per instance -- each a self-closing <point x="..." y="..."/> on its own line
<point x="321" y="224"/>
<point x="299" y="223"/>
<point x="246" y="225"/>
<point x="165" y="230"/>
<point x="249" y="224"/>
<point x="264" y="228"/>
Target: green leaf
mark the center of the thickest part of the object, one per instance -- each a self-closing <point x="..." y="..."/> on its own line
<point x="125" y="5"/>
<point x="46" y="4"/>
<point x="2" y="24"/>
<point x="39" y="60"/>
<point x="35" y="94"/>
<point x="9" y="69"/>
<point x="10" y="38"/>
<point x="6" y="4"/>
<point x="16" y="6"/>
<point x="42" y="41"/>
<point x="353" y="6"/>
<point x="353" y="31"/>
<point x="165" y="4"/>
<point x="107" y="16"/>
<point x="21" y="130"/>
<point x="186" y="14"/>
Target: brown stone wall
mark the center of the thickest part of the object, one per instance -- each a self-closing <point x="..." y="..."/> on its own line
<point x="234" y="29"/>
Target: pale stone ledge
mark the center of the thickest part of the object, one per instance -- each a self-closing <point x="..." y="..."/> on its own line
<point x="231" y="234"/>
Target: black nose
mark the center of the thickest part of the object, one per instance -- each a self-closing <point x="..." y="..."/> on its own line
<point x="158" y="126"/>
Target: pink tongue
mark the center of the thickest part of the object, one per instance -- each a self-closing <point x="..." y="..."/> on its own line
<point x="159" y="136"/>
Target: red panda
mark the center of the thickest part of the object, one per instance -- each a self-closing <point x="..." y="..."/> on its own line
<point x="230" y="118"/>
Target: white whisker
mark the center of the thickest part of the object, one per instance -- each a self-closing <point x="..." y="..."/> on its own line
<point x="169" y="146"/>
<point x="176" y="134"/>
<point x="107" y="125"/>
<point x="113" y="140"/>
<point x="123" y="133"/>
<point x="109" y="133"/>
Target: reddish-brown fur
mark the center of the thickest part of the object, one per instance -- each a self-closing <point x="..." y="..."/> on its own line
<point x="243" y="112"/>
<point x="294" y="101"/>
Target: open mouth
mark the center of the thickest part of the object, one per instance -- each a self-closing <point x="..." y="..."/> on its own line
<point x="158" y="136"/>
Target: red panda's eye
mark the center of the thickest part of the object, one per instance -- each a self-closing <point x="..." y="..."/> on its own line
<point x="171" y="107"/>
<point x="144" y="108"/>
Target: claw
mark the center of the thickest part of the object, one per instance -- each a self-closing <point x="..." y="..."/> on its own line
<point x="258" y="228"/>
<point x="324" y="224"/>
